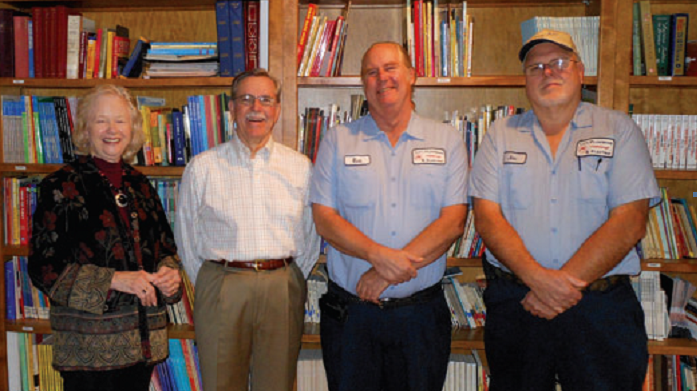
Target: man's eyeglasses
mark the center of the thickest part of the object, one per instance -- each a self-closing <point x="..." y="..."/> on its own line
<point x="557" y="65"/>
<point x="248" y="100"/>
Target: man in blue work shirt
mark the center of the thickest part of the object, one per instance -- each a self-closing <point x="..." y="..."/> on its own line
<point x="561" y="196"/>
<point x="388" y="194"/>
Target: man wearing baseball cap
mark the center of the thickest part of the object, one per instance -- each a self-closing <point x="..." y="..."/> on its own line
<point x="561" y="196"/>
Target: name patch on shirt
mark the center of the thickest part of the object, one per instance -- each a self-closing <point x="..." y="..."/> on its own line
<point x="356" y="160"/>
<point x="428" y="156"/>
<point x="510" y="157"/>
<point x="604" y="147"/>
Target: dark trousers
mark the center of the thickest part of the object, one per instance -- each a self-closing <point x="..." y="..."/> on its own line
<point x="598" y="345"/>
<point x="392" y="349"/>
<point x="134" y="378"/>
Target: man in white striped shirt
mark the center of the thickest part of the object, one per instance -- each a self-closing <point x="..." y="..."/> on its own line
<point x="246" y="237"/>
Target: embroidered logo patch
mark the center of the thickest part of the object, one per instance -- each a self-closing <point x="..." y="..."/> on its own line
<point x="603" y="147"/>
<point x="428" y="156"/>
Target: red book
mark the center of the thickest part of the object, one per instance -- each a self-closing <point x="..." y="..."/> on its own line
<point x="21" y="28"/>
<point x="322" y="48"/>
<point x="418" y="38"/>
<point x="61" y="41"/>
<point x="318" y="135"/>
<point x="120" y="51"/>
<point x="210" y="132"/>
<point x="311" y="12"/>
<point x="8" y="207"/>
<point x="335" y="46"/>
<point x="37" y="26"/>
<point x="23" y="216"/>
<point x="82" y="68"/>
<point x="51" y="47"/>
<point x="97" y="52"/>
<point x="252" y="34"/>
<point x="7" y="52"/>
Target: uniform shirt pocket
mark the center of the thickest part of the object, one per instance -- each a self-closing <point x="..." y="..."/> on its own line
<point x="593" y="180"/>
<point x="517" y="190"/>
<point x="358" y="186"/>
<point x="426" y="186"/>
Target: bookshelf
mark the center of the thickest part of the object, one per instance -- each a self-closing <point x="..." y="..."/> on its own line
<point x="496" y="80"/>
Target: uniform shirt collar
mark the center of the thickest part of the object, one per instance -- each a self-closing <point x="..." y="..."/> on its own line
<point x="582" y="119"/>
<point x="413" y="130"/>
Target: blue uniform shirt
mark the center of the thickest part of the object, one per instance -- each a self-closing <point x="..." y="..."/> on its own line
<point x="390" y="194"/>
<point x="555" y="204"/>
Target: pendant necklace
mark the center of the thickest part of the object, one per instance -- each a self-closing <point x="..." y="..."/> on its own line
<point x="120" y="197"/>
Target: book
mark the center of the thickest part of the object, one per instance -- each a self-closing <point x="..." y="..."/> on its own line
<point x="264" y="34"/>
<point x="661" y="36"/>
<point x="134" y="66"/>
<point x="678" y="42"/>
<point x="637" y="58"/>
<point x="7" y="61"/>
<point x="120" y="51"/>
<point x="222" y="19"/>
<point x="251" y="35"/>
<point x="237" y="37"/>
<point x="648" y="42"/>
<point x="305" y="32"/>
<point x="21" y="46"/>
<point x="73" y="46"/>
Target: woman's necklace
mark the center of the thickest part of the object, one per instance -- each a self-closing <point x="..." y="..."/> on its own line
<point x="120" y="197"/>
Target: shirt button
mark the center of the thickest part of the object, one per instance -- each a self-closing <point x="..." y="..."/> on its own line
<point x="394" y="233"/>
<point x="554" y="230"/>
<point x="554" y="172"/>
<point x="394" y="179"/>
<point x="554" y="200"/>
<point x="394" y="205"/>
<point x="556" y="261"/>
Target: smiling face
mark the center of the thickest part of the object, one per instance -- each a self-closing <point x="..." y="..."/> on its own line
<point x="109" y="128"/>
<point x="255" y="122"/>
<point x="553" y="88"/>
<point x="387" y="80"/>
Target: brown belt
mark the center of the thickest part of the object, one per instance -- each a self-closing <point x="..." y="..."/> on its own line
<point x="256" y="264"/>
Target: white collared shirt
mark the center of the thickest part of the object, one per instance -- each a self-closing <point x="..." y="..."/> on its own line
<point x="236" y="208"/>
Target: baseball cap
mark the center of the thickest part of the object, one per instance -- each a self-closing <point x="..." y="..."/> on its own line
<point x="552" y="36"/>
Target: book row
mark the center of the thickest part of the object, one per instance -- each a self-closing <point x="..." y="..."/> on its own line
<point x="670" y="230"/>
<point x="584" y="30"/>
<point x="321" y="43"/>
<point x="59" y="42"/>
<point x="440" y="39"/>
<point x="24" y="301"/>
<point x="659" y="43"/>
<point x="29" y="367"/>
<point x="671" y="139"/>
<point x="466" y="372"/>
<point x="39" y="129"/>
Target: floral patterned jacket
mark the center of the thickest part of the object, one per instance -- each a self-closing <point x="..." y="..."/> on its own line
<point x="78" y="241"/>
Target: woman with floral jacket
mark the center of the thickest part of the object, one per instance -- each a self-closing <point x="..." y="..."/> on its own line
<point x="103" y="252"/>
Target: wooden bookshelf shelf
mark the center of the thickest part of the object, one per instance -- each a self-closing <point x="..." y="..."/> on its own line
<point x="663" y="81"/>
<point x="474" y="81"/>
<point x="118" y="5"/>
<point x="673" y="346"/>
<point x="156" y="83"/>
<point x="17" y="169"/>
<point x="676" y="174"/>
<point x="470" y="3"/>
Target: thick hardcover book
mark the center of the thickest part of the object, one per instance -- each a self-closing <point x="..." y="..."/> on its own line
<point x="179" y="141"/>
<point x="222" y="17"/>
<point x="661" y="37"/>
<point x="678" y="42"/>
<point x="73" y="47"/>
<point x="333" y="51"/>
<point x="64" y="129"/>
<point x="7" y="61"/>
<point x="61" y="41"/>
<point x="21" y="43"/>
<point x="10" y="306"/>
<point x="237" y="37"/>
<point x="251" y="35"/>
<point x="648" y="42"/>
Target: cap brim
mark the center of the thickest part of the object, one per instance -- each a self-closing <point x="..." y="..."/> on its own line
<point x="526" y="48"/>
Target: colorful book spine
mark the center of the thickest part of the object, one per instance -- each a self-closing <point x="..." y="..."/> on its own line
<point x="222" y="18"/>
<point x="678" y="42"/>
<point x="237" y="37"/>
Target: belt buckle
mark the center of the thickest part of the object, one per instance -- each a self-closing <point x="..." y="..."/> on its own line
<point x="256" y="265"/>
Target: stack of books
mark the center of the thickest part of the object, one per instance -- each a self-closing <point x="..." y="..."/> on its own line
<point x="181" y="59"/>
<point x="321" y="43"/>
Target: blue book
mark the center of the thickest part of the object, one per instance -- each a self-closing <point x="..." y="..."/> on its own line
<point x="31" y="50"/>
<point x="222" y="17"/>
<point x="134" y="66"/>
<point x="10" y="305"/>
<point x="202" y="122"/>
<point x="176" y="355"/>
<point x="237" y="37"/>
<point x="55" y="134"/>
<point x="163" y="375"/>
<point x="193" y="126"/>
<point x="178" y="125"/>
<point x="179" y="44"/>
<point x="29" y="309"/>
<point x="38" y="133"/>
<point x="184" y="51"/>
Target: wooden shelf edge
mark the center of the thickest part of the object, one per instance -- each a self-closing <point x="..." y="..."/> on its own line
<point x="474" y="81"/>
<point x="172" y="82"/>
<point x="662" y="81"/>
<point x="38" y="169"/>
<point x="672" y="346"/>
<point x="676" y="174"/>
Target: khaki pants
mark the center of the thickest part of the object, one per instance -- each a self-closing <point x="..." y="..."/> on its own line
<point x="249" y="322"/>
